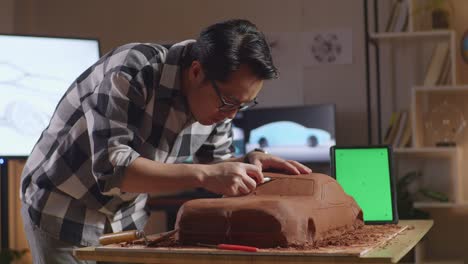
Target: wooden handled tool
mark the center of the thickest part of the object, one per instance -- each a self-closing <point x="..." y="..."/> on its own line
<point x="129" y="236"/>
<point x="125" y="236"/>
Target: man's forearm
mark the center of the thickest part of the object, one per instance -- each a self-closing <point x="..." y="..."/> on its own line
<point x="147" y="176"/>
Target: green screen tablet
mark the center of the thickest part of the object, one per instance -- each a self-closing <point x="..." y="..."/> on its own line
<point x="365" y="173"/>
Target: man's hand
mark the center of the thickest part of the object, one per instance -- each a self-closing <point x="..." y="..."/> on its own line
<point x="267" y="161"/>
<point x="232" y="178"/>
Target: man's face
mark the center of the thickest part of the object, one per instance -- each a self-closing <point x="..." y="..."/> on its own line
<point x="213" y="101"/>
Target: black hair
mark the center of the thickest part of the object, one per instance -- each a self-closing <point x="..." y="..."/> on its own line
<point x="223" y="47"/>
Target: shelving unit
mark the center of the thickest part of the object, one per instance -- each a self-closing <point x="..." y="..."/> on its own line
<point x="423" y="205"/>
<point x="400" y="38"/>
<point x="427" y="152"/>
<point x="421" y="35"/>
<point x="413" y="49"/>
<point x="426" y="98"/>
<point x="440" y="168"/>
<point x="401" y="60"/>
<point x="416" y="48"/>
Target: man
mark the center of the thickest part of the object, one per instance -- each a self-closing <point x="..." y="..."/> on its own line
<point x="125" y="126"/>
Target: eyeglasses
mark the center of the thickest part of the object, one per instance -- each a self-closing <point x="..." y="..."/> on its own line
<point x="228" y="106"/>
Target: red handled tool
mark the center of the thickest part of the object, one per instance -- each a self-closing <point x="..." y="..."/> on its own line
<point x="230" y="247"/>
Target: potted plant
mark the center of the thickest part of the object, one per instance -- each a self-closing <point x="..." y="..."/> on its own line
<point x="8" y="256"/>
<point x="407" y="189"/>
<point x="405" y="198"/>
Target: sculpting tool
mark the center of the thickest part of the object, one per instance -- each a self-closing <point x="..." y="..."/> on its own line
<point x="265" y="180"/>
<point x="119" y="237"/>
<point x="129" y="236"/>
<point x="229" y="247"/>
<point x="162" y="237"/>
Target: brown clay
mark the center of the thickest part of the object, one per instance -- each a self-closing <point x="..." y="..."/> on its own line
<point x="289" y="210"/>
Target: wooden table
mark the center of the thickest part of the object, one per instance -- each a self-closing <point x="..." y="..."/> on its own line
<point x="391" y="252"/>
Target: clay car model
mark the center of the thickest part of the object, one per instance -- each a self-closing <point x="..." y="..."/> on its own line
<point x="288" y="210"/>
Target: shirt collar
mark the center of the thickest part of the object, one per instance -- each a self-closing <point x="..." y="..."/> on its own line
<point x="171" y="79"/>
<point x="172" y="70"/>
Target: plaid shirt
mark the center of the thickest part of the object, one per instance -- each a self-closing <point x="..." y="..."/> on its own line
<point x="126" y="105"/>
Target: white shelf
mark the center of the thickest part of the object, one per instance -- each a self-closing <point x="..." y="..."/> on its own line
<point x="422" y="205"/>
<point x="417" y="35"/>
<point x="427" y="152"/>
<point x="441" y="88"/>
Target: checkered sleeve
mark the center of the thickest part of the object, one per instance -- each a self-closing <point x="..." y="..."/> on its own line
<point x="218" y="146"/>
<point x="113" y="113"/>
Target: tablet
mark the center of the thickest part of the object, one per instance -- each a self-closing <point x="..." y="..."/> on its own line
<point x="365" y="173"/>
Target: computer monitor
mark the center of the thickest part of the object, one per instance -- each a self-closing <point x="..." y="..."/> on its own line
<point x="301" y="133"/>
<point x="238" y="134"/>
<point x="35" y="72"/>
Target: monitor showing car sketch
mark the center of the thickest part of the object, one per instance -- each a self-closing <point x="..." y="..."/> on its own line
<point x="35" y="72"/>
<point x="301" y="133"/>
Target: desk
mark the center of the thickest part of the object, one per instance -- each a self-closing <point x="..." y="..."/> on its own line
<point x="391" y="252"/>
